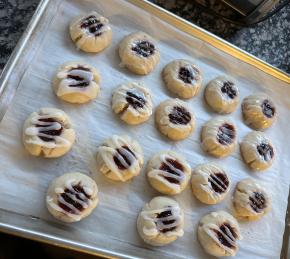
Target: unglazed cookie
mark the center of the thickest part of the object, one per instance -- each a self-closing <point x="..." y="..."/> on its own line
<point x="168" y="172"/>
<point x="120" y="158"/>
<point x="175" y="119"/>
<point x="182" y="78"/>
<point x="210" y="183"/>
<point x="91" y="32"/>
<point x="48" y="133"/>
<point x="257" y="151"/>
<point x="133" y="103"/>
<point x="71" y="197"/>
<point x="218" y="233"/>
<point x="219" y="137"/>
<point x="222" y="95"/>
<point x="259" y="111"/>
<point x="251" y="201"/>
<point x="139" y="53"/>
<point x="161" y="221"/>
<point x="76" y="82"/>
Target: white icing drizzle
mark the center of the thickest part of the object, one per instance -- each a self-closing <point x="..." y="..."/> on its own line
<point x="87" y="77"/>
<point x="159" y="226"/>
<point x="100" y="20"/>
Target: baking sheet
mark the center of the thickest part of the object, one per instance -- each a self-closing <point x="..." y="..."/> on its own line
<point x="24" y="179"/>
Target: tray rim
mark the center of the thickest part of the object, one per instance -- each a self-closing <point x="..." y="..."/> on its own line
<point x="166" y="16"/>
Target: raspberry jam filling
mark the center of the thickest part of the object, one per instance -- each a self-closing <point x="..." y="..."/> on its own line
<point x="268" y="109"/>
<point x="226" y="134"/>
<point x="144" y="48"/>
<point x="257" y="201"/>
<point x="93" y="24"/>
<point x="229" y="90"/>
<point x="219" y="182"/>
<point x="266" y="151"/>
<point x="179" y="115"/>
<point x="47" y="128"/>
<point x="124" y="157"/>
<point x="226" y="235"/>
<point x="135" y="98"/>
<point x="163" y="216"/>
<point x="172" y="167"/>
<point x="188" y="74"/>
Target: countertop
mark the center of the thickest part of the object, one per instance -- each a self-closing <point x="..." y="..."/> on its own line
<point x="268" y="40"/>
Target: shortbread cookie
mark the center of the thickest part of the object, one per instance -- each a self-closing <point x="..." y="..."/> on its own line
<point x="182" y="78"/>
<point x="222" y="95"/>
<point x="120" y="158"/>
<point x="91" y="32"/>
<point x="168" y="172"/>
<point x="175" y="119"/>
<point x="251" y="201"/>
<point x="161" y="221"/>
<point x="210" y="183"/>
<point x="48" y="133"/>
<point x="219" y="137"/>
<point x="133" y="103"/>
<point x="259" y="111"/>
<point x="72" y="197"/>
<point x="76" y="82"/>
<point x="257" y="151"/>
<point x="139" y="53"/>
<point x="218" y="233"/>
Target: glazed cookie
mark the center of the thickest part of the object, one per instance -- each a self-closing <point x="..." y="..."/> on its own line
<point x="48" y="133"/>
<point x="218" y="233"/>
<point x="219" y="137"/>
<point x="91" y="32"/>
<point x="161" y="221"/>
<point x="259" y="111"/>
<point x="257" y="151"/>
<point x="168" y="172"/>
<point x="210" y="183"/>
<point x="120" y="158"/>
<point x="133" y="103"/>
<point x="182" y="78"/>
<point x="71" y="197"/>
<point x="76" y="82"/>
<point x="251" y="201"/>
<point x="222" y="95"/>
<point x="175" y="119"/>
<point x="139" y="53"/>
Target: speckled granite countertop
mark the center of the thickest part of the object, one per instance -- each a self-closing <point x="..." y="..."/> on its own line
<point x="269" y="40"/>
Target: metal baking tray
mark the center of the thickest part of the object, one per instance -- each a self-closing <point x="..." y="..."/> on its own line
<point x="35" y="228"/>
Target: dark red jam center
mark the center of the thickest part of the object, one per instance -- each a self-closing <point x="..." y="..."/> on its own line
<point x="266" y="151"/>
<point x="219" y="182"/>
<point x="80" y="81"/>
<point x="224" y="231"/>
<point x="229" y="90"/>
<point x="179" y="115"/>
<point x="124" y="153"/>
<point x="144" y="48"/>
<point x="185" y="74"/>
<point x="226" y="134"/>
<point x="268" y="109"/>
<point x="92" y="24"/>
<point x="257" y="201"/>
<point x="79" y="195"/>
<point x="48" y="132"/>
<point x="136" y="99"/>
<point x="167" y="168"/>
<point x="164" y="214"/>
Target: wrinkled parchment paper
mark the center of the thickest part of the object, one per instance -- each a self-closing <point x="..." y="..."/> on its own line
<point x="24" y="179"/>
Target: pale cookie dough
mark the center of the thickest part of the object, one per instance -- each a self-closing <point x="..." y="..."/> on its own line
<point x="259" y="111"/>
<point x="222" y="95"/>
<point x="48" y="133"/>
<point x="120" y="158"/>
<point x="71" y="197"/>
<point x="168" y="172"/>
<point x="175" y="119"/>
<point x="161" y="221"/>
<point x="257" y="151"/>
<point x="219" y="137"/>
<point x="182" y="78"/>
<point x="139" y="53"/>
<point x="251" y="201"/>
<point x="210" y="183"/>
<point x="133" y="103"/>
<point x="218" y="233"/>
<point x="76" y="82"/>
<point x="91" y="32"/>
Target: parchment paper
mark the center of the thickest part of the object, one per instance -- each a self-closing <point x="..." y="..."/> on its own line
<point x="24" y="179"/>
